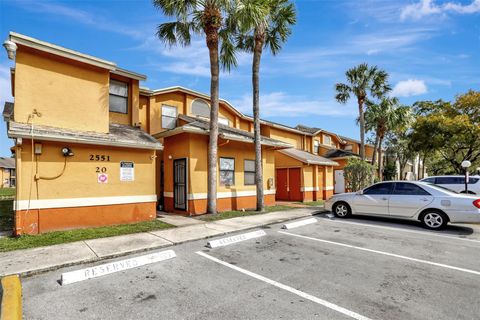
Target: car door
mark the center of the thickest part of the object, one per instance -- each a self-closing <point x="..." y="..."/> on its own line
<point x="374" y="199"/>
<point x="407" y="199"/>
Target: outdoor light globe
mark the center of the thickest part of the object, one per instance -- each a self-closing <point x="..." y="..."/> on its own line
<point x="11" y="48"/>
<point x="466" y="164"/>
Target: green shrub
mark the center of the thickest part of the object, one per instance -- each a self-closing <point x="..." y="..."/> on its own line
<point x="358" y="174"/>
<point x="390" y="171"/>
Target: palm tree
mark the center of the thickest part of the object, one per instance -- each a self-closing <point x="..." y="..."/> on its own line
<point x="384" y="117"/>
<point x="212" y="19"/>
<point x="361" y="81"/>
<point x="263" y="24"/>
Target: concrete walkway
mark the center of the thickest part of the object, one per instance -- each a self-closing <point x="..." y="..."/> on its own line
<point x="36" y="260"/>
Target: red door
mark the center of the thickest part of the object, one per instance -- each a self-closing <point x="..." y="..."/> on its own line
<point x="282" y="184"/>
<point x="294" y="184"/>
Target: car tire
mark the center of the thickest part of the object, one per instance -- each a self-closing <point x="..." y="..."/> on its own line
<point x="342" y="210"/>
<point x="434" y="220"/>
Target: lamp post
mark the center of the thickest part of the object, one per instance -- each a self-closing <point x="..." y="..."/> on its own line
<point x="465" y="165"/>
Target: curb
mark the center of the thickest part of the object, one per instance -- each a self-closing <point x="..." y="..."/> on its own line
<point x="122" y="254"/>
<point x="11" y="307"/>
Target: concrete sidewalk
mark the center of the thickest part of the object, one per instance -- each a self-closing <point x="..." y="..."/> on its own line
<point x="36" y="260"/>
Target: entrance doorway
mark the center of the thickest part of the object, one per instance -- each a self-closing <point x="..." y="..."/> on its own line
<point x="339" y="181"/>
<point x="288" y="186"/>
<point x="180" y="184"/>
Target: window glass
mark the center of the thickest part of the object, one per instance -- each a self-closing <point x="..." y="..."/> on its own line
<point x="405" y="188"/>
<point x="349" y="147"/>
<point x="169" y="117"/>
<point x="381" y="188"/>
<point x="473" y="180"/>
<point x="223" y="121"/>
<point x="446" y="180"/>
<point x="200" y="108"/>
<point x="227" y="171"/>
<point x="327" y="140"/>
<point x="316" y="145"/>
<point x="429" y="180"/>
<point x="249" y="175"/>
<point x="118" y="98"/>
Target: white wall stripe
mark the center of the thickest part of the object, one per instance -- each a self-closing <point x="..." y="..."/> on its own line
<point x="328" y="188"/>
<point x="309" y="189"/>
<point x="221" y="195"/>
<point x="385" y="253"/>
<point x="82" y="202"/>
<point x="302" y="294"/>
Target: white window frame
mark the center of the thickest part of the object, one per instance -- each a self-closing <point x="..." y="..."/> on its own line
<point x="121" y="96"/>
<point x="316" y="146"/>
<point x="166" y="106"/>
<point x="226" y="170"/>
<point x="327" y="137"/>
<point x="223" y="121"/>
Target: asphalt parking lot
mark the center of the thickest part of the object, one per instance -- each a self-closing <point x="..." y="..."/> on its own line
<point x="361" y="268"/>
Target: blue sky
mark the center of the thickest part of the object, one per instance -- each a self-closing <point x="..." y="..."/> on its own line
<point x="431" y="49"/>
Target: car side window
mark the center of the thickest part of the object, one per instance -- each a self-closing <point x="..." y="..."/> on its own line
<point x="381" y="188"/>
<point x="473" y="180"/>
<point x="429" y="180"/>
<point x="409" y="189"/>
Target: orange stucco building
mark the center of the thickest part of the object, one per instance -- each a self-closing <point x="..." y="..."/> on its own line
<point x="94" y="148"/>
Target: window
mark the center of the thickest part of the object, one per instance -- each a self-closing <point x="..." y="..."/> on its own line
<point x="223" y="121"/>
<point x="316" y="146"/>
<point x="409" y="189"/>
<point x="429" y="180"/>
<point x="450" y="180"/>
<point x="349" y="147"/>
<point x="249" y="175"/>
<point x="473" y="180"/>
<point x="380" y="188"/>
<point x="118" y="98"/>
<point x="200" y="108"/>
<point x="169" y="117"/>
<point x="327" y="140"/>
<point x="227" y="171"/>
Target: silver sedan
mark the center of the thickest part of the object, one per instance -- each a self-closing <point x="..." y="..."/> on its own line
<point x="434" y="206"/>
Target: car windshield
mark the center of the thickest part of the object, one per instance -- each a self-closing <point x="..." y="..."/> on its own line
<point x="442" y="188"/>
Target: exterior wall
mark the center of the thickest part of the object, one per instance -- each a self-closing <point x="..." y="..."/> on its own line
<point x="143" y="111"/>
<point x="176" y="99"/>
<point x="67" y="94"/>
<point x="295" y="139"/>
<point x="235" y="197"/>
<point x="328" y="182"/>
<point x="73" y="197"/>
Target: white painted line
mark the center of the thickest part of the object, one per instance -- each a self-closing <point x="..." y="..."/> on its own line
<point x="112" y="267"/>
<point x="430" y="233"/>
<point x="384" y="253"/>
<point x="300" y="223"/>
<point x="234" y="239"/>
<point x="302" y="294"/>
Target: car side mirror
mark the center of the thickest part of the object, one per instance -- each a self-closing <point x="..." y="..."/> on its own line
<point x="360" y="192"/>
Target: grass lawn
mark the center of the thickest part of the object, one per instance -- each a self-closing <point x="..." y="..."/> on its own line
<point x="58" y="237"/>
<point x="314" y="203"/>
<point x="7" y="192"/>
<point x="234" y="214"/>
<point x="6" y="215"/>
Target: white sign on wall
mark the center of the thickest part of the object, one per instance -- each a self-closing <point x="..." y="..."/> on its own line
<point x="127" y="171"/>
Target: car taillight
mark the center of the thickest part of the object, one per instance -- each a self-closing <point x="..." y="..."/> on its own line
<point x="476" y="203"/>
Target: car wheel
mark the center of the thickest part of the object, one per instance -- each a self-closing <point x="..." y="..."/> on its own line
<point x="434" y="220"/>
<point x="342" y="210"/>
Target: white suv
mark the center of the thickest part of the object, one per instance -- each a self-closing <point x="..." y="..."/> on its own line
<point x="456" y="183"/>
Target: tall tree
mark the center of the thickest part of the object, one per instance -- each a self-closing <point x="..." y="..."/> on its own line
<point x="383" y="117"/>
<point x="362" y="81"/>
<point x="263" y="24"/>
<point x="212" y="19"/>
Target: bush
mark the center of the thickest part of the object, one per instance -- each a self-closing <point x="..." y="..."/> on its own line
<point x="390" y="171"/>
<point x="358" y="174"/>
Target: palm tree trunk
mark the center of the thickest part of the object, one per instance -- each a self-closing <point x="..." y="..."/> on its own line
<point x="374" y="158"/>
<point x="362" y="128"/>
<point x="211" y="32"/>
<point x="380" y="160"/>
<point x="257" y="53"/>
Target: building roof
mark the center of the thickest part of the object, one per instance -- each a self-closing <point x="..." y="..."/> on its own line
<point x="338" y="153"/>
<point x="119" y="135"/>
<point x="7" y="163"/>
<point x="202" y="126"/>
<point x="307" y="157"/>
<point x="44" y="46"/>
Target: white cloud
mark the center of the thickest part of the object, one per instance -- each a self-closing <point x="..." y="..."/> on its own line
<point x="425" y="8"/>
<point x="408" y="88"/>
<point x="282" y="104"/>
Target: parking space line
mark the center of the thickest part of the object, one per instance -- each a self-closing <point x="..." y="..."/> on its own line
<point x="384" y="253"/>
<point x="302" y="294"/>
<point x="401" y="229"/>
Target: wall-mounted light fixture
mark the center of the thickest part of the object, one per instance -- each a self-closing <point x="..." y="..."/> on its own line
<point x="11" y="48"/>
<point x="67" y="152"/>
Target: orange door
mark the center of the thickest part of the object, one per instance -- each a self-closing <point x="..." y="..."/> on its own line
<point x="294" y="184"/>
<point x="282" y="184"/>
